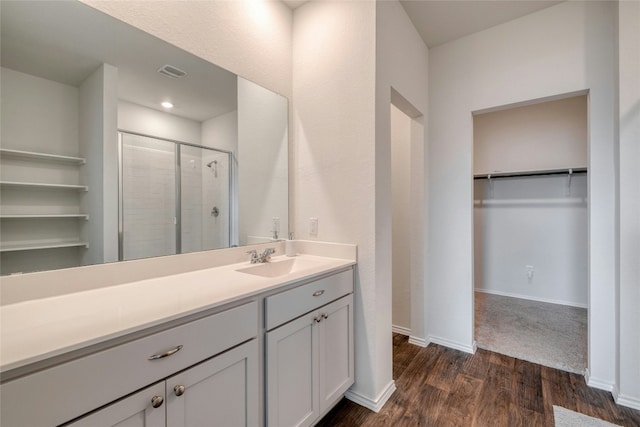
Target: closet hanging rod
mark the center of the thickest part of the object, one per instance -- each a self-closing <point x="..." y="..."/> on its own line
<point x="566" y="171"/>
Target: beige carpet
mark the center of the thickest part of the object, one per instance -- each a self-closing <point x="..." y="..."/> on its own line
<point x="564" y="417"/>
<point x="548" y="334"/>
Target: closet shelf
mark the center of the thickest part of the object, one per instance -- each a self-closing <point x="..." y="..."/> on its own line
<point x="518" y="174"/>
<point x="42" y="156"/>
<point x="29" y="246"/>
<point x="41" y="216"/>
<point x="35" y="185"/>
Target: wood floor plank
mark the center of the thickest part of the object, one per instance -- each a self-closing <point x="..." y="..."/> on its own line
<point x="446" y="368"/>
<point x="403" y="354"/>
<point x="527" y="383"/>
<point x="477" y="365"/>
<point x="462" y="402"/>
<point x="439" y="386"/>
<point x="523" y="417"/>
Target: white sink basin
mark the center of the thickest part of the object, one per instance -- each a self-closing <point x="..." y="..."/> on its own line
<point x="280" y="267"/>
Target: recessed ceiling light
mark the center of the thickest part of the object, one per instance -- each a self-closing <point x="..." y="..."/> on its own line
<point x="167" y="104"/>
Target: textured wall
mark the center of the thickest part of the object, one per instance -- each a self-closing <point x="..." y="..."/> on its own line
<point x="334" y="93"/>
<point x="629" y="199"/>
<point x="562" y="49"/>
<point x="249" y="38"/>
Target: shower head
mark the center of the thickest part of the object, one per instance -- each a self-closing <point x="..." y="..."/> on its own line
<point x="214" y="162"/>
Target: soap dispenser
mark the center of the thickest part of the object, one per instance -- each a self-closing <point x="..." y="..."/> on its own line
<point x="290" y="246"/>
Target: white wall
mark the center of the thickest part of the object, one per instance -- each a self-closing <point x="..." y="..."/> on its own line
<point x="249" y="38"/>
<point x="334" y="176"/>
<point x="401" y="78"/>
<point x="401" y="218"/>
<point x="147" y="121"/>
<point x="38" y="115"/>
<point x="628" y="374"/>
<point x="99" y="145"/>
<point x="347" y="57"/>
<point x="548" y="135"/>
<point x="262" y="162"/>
<point x="532" y="221"/>
<point x="562" y="49"/>
<point x="221" y="132"/>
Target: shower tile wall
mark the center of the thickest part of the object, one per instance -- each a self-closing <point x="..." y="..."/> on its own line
<point x="215" y="193"/>
<point x="191" y="183"/>
<point x="149" y="194"/>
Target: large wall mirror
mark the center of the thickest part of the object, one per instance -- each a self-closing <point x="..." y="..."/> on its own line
<point x="95" y="169"/>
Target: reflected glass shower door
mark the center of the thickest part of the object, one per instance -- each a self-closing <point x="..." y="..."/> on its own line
<point x="148" y="197"/>
<point x="175" y="197"/>
<point x="204" y="188"/>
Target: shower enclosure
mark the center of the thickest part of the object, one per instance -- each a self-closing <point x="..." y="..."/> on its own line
<point x="174" y="197"/>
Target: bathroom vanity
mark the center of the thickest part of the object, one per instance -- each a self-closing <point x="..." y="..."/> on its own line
<point x="239" y="344"/>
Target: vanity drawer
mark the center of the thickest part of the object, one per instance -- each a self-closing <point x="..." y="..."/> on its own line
<point x="66" y="391"/>
<point x="288" y="305"/>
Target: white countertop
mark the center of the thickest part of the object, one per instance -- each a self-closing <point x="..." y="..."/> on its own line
<point x="38" y="329"/>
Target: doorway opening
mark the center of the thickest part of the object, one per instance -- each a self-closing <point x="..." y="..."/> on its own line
<point x="407" y="219"/>
<point x="531" y="232"/>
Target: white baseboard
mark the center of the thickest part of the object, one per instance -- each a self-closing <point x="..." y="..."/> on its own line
<point x="452" y="344"/>
<point x="621" y="399"/>
<point x="628" y="401"/>
<point x="596" y="383"/>
<point x="373" y="404"/>
<point x="401" y="330"/>
<point x="531" y="298"/>
<point x="418" y="341"/>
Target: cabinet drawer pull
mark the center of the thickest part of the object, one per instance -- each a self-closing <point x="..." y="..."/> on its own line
<point x="166" y="353"/>
<point x="318" y="293"/>
<point x="156" y="401"/>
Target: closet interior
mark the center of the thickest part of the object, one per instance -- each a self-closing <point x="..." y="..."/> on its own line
<point x="530" y="231"/>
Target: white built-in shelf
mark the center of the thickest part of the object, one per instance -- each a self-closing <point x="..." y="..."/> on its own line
<point x="30" y="246"/>
<point x="43" y="216"/>
<point x="42" y="156"/>
<point x="36" y="185"/>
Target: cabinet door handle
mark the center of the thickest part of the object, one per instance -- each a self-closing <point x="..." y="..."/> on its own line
<point x="178" y="390"/>
<point x="318" y="319"/>
<point x="325" y="316"/>
<point x="166" y="353"/>
<point x="318" y="293"/>
<point x="156" y="401"/>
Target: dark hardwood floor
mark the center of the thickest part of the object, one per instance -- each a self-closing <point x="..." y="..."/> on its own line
<point x="438" y="386"/>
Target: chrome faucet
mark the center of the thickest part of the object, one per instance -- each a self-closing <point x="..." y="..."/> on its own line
<point x="263" y="257"/>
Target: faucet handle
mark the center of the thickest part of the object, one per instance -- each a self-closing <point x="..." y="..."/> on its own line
<point x="266" y="255"/>
<point x="254" y="256"/>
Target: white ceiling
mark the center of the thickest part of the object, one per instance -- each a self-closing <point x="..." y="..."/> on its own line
<point x="441" y="21"/>
<point x="67" y="41"/>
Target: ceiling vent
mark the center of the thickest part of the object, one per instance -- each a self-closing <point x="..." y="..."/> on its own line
<point x="171" y="71"/>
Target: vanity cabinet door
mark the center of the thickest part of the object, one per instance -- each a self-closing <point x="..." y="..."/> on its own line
<point x="145" y="408"/>
<point x="310" y="364"/>
<point x="336" y="351"/>
<point x="292" y="373"/>
<point x="222" y="391"/>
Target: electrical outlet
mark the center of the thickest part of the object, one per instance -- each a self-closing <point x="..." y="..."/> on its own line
<point x="313" y="226"/>
<point x="529" y="271"/>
